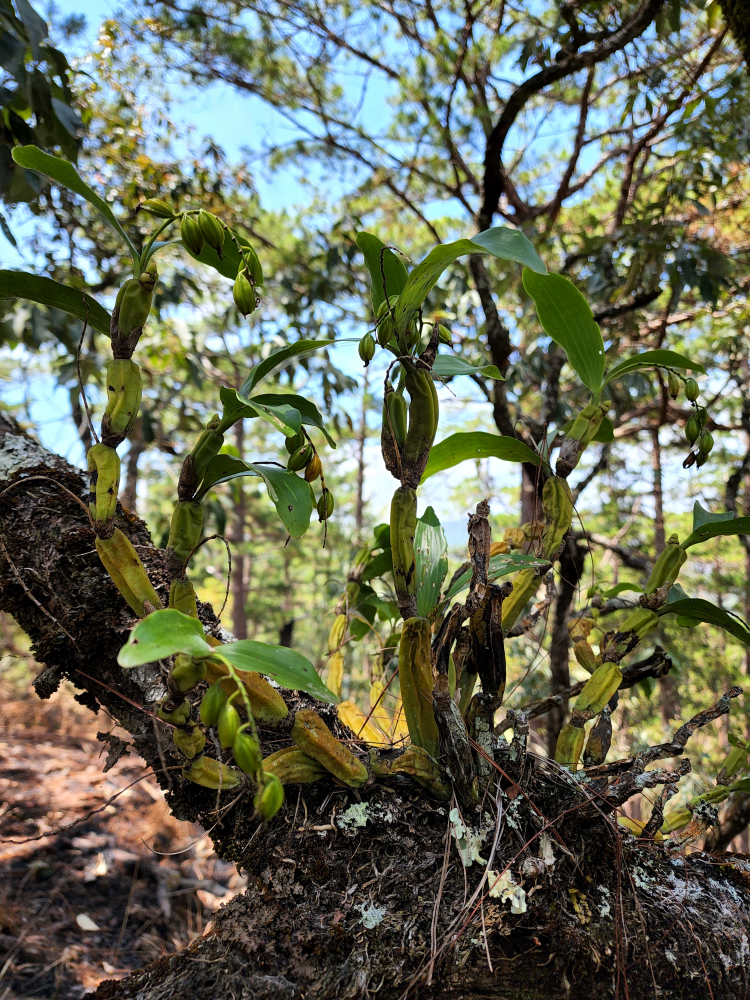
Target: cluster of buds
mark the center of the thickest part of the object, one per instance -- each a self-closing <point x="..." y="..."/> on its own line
<point x="302" y="455"/>
<point x="696" y="427"/>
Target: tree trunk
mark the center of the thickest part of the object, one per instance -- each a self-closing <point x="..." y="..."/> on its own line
<point x="356" y="892"/>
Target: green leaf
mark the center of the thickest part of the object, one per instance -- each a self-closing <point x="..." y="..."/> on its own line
<point x="284" y="665"/>
<point x="32" y="158"/>
<point x="697" y="610"/>
<point x="431" y="557"/>
<point x="221" y="469"/>
<point x="289" y="493"/>
<point x="283" y="417"/>
<point x="510" y="244"/>
<point x="379" y="565"/>
<point x="500" y="565"/>
<point x="45" y="291"/>
<point x="654" y="359"/>
<point x="448" y="365"/>
<point x="281" y="359"/>
<point x="161" y="634"/>
<point x="507" y="244"/>
<point x="566" y="317"/>
<point x="702" y="516"/>
<point x="605" y="434"/>
<point x="307" y="410"/>
<point x="737" y="526"/>
<point x="228" y="264"/>
<point x="393" y="267"/>
<point x="476" y="444"/>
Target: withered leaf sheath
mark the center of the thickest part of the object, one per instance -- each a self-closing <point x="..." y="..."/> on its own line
<point x="600" y="740"/>
<point x="312" y="735"/>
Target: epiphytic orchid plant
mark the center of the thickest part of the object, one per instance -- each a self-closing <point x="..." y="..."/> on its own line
<point x="448" y="655"/>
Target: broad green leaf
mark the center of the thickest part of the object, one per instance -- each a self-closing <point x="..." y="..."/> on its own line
<point x="32" y="158"/>
<point x="307" y="410"/>
<point x="286" y="666"/>
<point x="431" y="558"/>
<point x="702" y="516"/>
<point x="737" y="526"/>
<point x="283" y="417"/>
<point x="676" y="593"/>
<point x="566" y="317"/>
<point x="393" y="267"/>
<point x="510" y="244"/>
<point x="381" y="534"/>
<point x="507" y="244"/>
<point x="228" y="264"/>
<point x="448" y="365"/>
<point x="291" y="496"/>
<point x="697" y="610"/>
<point x="289" y="493"/>
<point x="654" y="359"/>
<point x="500" y="565"/>
<point x="45" y="291"/>
<point x="280" y="359"/>
<point x="161" y="634"/>
<point x="221" y="469"/>
<point x="476" y="444"/>
<point x="605" y="434"/>
<point x="379" y="565"/>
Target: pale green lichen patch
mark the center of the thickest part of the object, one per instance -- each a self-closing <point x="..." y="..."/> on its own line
<point x="360" y="813"/>
<point x="372" y="915"/>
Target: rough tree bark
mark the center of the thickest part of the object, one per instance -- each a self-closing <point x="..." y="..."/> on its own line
<point x="360" y="892"/>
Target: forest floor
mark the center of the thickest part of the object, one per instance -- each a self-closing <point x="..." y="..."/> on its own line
<point x="90" y="891"/>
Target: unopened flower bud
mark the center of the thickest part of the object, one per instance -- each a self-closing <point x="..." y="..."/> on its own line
<point x="191" y="235"/>
<point x="673" y="384"/>
<point x="212" y="230"/>
<point x="157" y="207"/>
<point x="325" y="506"/>
<point x="367" y="348"/>
<point x="299" y="458"/>
<point x="253" y="265"/>
<point x="270" y="798"/>
<point x="706" y="442"/>
<point x="244" y="293"/>
<point x="313" y="469"/>
<point x="246" y="751"/>
<point x="445" y="335"/>
<point x="294" y="441"/>
<point x="692" y="431"/>
<point x="691" y="389"/>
